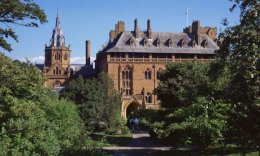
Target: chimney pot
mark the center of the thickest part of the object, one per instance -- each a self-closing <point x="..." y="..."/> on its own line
<point x="87" y="52"/>
<point x="149" y="30"/>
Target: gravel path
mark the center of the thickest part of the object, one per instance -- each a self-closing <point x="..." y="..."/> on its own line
<point x="141" y="145"/>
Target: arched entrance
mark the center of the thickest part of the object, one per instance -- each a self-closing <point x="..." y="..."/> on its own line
<point x="56" y="84"/>
<point x="132" y="107"/>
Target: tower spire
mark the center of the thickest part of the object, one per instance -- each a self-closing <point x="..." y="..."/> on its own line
<point x="58" y="38"/>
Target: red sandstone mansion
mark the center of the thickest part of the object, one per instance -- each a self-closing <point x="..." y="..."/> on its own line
<point x="132" y="59"/>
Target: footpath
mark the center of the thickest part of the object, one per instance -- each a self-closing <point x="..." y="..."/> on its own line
<point x="140" y="145"/>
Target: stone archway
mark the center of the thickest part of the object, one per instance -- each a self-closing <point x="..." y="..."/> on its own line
<point x="130" y="107"/>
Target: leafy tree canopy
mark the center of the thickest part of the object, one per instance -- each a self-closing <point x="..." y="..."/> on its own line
<point x="192" y="114"/>
<point x="18" y="12"/>
<point x="98" y="102"/>
<point x="182" y="83"/>
<point x="239" y="55"/>
<point x="88" y="95"/>
<point x="32" y="120"/>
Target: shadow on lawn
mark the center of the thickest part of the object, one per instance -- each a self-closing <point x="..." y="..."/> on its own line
<point x="221" y="151"/>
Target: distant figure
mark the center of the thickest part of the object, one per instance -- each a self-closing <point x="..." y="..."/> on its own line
<point x="136" y="121"/>
<point x="132" y="123"/>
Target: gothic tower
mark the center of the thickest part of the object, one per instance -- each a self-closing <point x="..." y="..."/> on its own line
<point x="57" y="59"/>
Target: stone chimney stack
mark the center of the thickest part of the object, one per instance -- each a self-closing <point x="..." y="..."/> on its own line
<point x="136" y="29"/>
<point x="195" y="25"/>
<point x="196" y="31"/>
<point x="87" y="52"/>
<point x="119" y="28"/>
<point x="149" y="30"/>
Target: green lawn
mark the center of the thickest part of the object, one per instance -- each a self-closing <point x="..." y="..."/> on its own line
<point x="111" y="140"/>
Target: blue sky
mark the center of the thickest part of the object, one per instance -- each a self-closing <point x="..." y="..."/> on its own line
<point x="93" y="19"/>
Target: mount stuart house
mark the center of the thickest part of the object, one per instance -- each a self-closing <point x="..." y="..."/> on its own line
<point x="132" y="59"/>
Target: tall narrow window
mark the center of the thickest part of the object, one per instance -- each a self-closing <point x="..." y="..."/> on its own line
<point x="57" y="70"/>
<point x="148" y="74"/>
<point x="158" y="73"/>
<point x="65" y="57"/>
<point x="127" y="81"/>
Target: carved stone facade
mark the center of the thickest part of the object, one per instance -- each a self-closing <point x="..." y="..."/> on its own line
<point x="133" y="59"/>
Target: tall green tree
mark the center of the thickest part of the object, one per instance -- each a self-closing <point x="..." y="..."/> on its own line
<point x="239" y="55"/>
<point x="112" y="103"/>
<point x="18" y="12"/>
<point x="88" y="94"/>
<point x="192" y="114"/>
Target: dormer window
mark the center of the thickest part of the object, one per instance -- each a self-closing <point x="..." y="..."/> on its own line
<point x="170" y="43"/>
<point x="158" y="43"/>
<point x="181" y="43"/>
<point x="145" y="42"/>
<point x="132" y="42"/>
<point x="193" y="43"/>
<point x="204" y="43"/>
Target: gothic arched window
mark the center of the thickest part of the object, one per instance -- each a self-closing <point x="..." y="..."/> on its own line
<point x="57" y="71"/>
<point x="148" y="74"/>
<point x="158" y="73"/>
<point x="148" y="98"/>
<point x="65" y="57"/>
<point x="57" y="56"/>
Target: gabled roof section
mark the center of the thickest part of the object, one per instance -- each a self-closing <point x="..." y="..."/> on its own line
<point x="180" y="43"/>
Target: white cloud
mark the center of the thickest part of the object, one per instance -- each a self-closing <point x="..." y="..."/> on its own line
<point x="73" y="60"/>
<point x="80" y="60"/>
<point x="37" y="59"/>
<point x="77" y="60"/>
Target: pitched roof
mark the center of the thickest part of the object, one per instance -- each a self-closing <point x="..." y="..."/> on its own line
<point x="160" y="42"/>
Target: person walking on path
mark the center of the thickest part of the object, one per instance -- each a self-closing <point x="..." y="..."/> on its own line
<point x="132" y="123"/>
<point x="136" y="121"/>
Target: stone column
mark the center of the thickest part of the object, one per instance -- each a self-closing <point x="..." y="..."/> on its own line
<point x="173" y="57"/>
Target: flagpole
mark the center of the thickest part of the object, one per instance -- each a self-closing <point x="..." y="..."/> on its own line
<point x="187" y="17"/>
